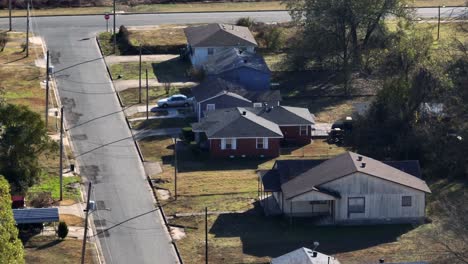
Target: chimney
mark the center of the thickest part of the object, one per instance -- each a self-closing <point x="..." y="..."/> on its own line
<point x="314" y="254"/>
<point x="244" y="113"/>
<point x="381" y="260"/>
<point x="363" y="165"/>
<point x="359" y="158"/>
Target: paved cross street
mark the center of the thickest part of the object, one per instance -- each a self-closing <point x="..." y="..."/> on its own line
<point x="102" y="141"/>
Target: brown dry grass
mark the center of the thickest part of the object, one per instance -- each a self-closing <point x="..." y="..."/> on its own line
<point x="67" y="202"/>
<point x="166" y="35"/>
<point x="47" y="249"/>
<point x="72" y="220"/>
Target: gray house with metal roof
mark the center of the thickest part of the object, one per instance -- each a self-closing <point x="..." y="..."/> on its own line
<point x="216" y="93"/>
<point x="347" y="189"/>
<point x="207" y="40"/>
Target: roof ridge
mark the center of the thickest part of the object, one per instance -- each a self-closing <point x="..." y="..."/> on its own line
<point x="261" y="118"/>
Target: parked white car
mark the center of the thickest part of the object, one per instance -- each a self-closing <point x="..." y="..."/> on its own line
<point x="175" y="100"/>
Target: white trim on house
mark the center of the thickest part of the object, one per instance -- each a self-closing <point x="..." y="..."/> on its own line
<point x="233" y="143"/>
<point x="264" y="143"/>
<point x="224" y="93"/>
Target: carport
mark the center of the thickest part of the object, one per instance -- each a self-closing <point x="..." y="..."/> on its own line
<point x="36" y="215"/>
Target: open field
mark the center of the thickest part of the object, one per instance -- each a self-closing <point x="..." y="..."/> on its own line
<point x="223" y="184"/>
<point x="161" y="35"/>
<point x="194" y="7"/>
<point x="47" y="249"/>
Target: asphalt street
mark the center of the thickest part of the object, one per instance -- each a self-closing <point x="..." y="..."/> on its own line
<point x="102" y="141"/>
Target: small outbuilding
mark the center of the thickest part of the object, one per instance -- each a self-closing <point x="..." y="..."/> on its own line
<point x="347" y="189"/>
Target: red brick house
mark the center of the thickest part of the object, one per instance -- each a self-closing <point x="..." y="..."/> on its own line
<point x="252" y="132"/>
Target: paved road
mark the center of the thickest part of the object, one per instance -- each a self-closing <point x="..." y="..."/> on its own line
<point x="102" y="141"/>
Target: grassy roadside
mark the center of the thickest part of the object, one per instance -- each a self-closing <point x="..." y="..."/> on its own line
<point x="195" y="7"/>
<point x="47" y="249"/>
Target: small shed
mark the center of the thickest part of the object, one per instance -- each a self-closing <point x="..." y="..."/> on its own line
<point x="17" y="201"/>
<point x="36" y="215"/>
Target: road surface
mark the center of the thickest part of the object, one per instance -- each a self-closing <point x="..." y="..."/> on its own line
<point x="102" y="141"/>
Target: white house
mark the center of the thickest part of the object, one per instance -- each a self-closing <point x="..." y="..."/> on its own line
<point x="347" y="189"/>
<point x="207" y="40"/>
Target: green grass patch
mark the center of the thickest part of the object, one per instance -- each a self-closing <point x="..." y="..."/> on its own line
<point x="51" y="184"/>
<point x="130" y="71"/>
<point x="157" y="147"/>
<point x="106" y="43"/>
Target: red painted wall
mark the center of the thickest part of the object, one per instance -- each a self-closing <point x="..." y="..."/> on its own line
<point x="291" y="134"/>
<point x="245" y="146"/>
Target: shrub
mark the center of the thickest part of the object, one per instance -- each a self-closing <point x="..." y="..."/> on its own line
<point x="3" y="40"/>
<point x="272" y="38"/>
<point x="62" y="230"/>
<point x="40" y="199"/>
<point x="188" y="134"/>
<point x="245" y="22"/>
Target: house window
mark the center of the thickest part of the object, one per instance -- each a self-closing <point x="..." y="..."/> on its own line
<point x="303" y="131"/>
<point x="262" y="143"/>
<point x="356" y="205"/>
<point x="406" y="201"/>
<point x="210" y="107"/>
<point x="210" y="51"/>
<point x="228" y="143"/>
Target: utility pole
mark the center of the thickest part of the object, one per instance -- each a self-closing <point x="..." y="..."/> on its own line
<point x="206" y="235"/>
<point x="47" y="92"/>
<point x="147" y="96"/>
<point x="438" y="25"/>
<point x="61" y="153"/>
<point x="139" y="80"/>
<point x="83" y="248"/>
<point x="9" y="14"/>
<point x="175" y="168"/>
<point x="27" y="31"/>
<point x="115" y="34"/>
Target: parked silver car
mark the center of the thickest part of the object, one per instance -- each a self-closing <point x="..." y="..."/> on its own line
<point x="175" y="100"/>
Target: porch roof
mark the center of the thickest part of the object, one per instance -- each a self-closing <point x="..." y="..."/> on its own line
<point x="270" y="180"/>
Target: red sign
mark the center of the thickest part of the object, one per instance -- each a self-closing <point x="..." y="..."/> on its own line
<point x="106" y="16"/>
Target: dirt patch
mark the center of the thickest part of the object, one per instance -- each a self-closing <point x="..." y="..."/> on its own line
<point x="164" y="194"/>
<point x="72" y="220"/>
<point x="67" y="202"/>
<point x="177" y="233"/>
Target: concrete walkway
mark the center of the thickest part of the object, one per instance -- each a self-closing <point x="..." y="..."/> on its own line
<point x="112" y="59"/>
<point x="171" y="112"/>
<point x="140" y="134"/>
<point x="74" y="209"/>
<point x="121" y="85"/>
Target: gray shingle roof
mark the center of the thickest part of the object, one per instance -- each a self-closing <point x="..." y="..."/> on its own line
<point x="214" y="86"/>
<point x="286" y="115"/>
<point x="219" y="35"/>
<point x="236" y="123"/>
<point x="346" y="164"/>
<point x="304" y="256"/>
<point x="231" y="59"/>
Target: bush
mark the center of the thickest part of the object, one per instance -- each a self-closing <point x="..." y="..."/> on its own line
<point x="272" y="38"/>
<point x="62" y="230"/>
<point x="40" y="199"/>
<point x="245" y="22"/>
<point x="187" y="134"/>
<point x="196" y="74"/>
<point x="3" y="40"/>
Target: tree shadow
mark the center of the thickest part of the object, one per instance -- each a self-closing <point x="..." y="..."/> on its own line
<point x="264" y="236"/>
<point x="174" y="70"/>
<point x="49" y="244"/>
